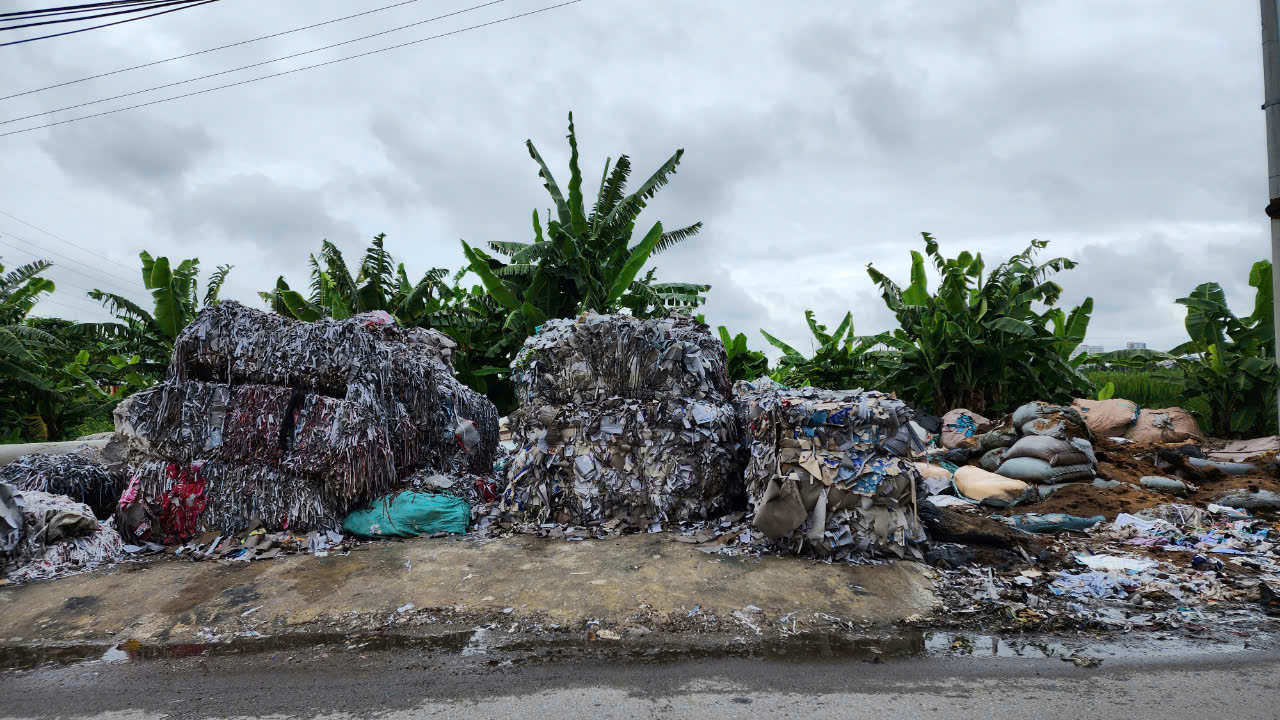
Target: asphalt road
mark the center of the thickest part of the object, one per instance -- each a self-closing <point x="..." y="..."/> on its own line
<point x="403" y="684"/>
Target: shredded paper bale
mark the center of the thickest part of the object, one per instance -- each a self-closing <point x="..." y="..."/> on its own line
<point x="826" y="470"/>
<point x="622" y="419"/>
<point x="293" y="424"/>
<point x="59" y="537"/>
<point x="80" y="478"/>
<point x="597" y="357"/>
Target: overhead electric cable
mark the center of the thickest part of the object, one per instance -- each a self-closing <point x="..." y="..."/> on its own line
<point x="253" y="65"/>
<point x="117" y="22"/>
<point x="209" y="50"/>
<point x="55" y="236"/>
<point x="290" y="72"/>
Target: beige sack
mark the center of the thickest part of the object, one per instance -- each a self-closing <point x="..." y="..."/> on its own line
<point x="1167" y="425"/>
<point x="978" y="484"/>
<point x="1107" y="418"/>
<point x="952" y="436"/>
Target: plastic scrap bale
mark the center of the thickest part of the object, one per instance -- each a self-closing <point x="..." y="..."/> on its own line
<point x="409" y="514"/>
<point x="959" y="424"/>
<point x="59" y="537"/>
<point x="295" y="423"/>
<point x="634" y="460"/>
<point x="622" y="419"/>
<point x="1108" y="418"/>
<point x="597" y="357"/>
<point x="821" y="475"/>
<point x="10" y="520"/>
<point x="982" y="486"/>
<point x="75" y="476"/>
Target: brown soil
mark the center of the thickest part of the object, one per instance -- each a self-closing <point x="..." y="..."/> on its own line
<point x="1085" y="500"/>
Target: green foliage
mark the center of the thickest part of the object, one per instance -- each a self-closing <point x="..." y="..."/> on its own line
<point x="742" y="363"/>
<point x="585" y="261"/>
<point x="979" y="341"/>
<point x="175" y="303"/>
<point x="1107" y="391"/>
<point x="1228" y="362"/>
<point x="840" y="359"/>
<point x="379" y="284"/>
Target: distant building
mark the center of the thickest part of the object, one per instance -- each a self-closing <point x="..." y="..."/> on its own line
<point x="1135" y="346"/>
<point x="1091" y="349"/>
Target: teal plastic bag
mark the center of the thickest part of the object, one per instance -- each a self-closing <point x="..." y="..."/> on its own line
<point x="410" y="514"/>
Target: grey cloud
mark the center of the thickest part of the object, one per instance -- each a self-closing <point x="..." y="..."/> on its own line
<point x="148" y="154"/>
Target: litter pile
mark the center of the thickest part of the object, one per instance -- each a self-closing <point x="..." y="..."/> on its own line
<point x="80" y="478"/>
<point x="1168" y="566"/>
<point x="289" y="425"/>
<point x="44" y="535"/>
<point x="830" y="469"/>
<point x="621" y="419"/>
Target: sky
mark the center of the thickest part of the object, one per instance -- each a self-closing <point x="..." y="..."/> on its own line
<point x="818" y="137"/>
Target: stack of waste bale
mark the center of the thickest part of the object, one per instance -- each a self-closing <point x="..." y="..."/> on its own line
<point x="621" y="419"/>
<point x="830" y="470"/>
<point x="292" y="424"/>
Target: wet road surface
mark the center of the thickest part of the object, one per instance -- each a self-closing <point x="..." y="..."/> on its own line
<point x="991" y="681"/>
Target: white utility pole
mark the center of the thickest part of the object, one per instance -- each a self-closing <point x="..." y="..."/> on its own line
<point x="1271" y="105"/>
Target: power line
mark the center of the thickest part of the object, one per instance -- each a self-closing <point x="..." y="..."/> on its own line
<point x="67" y="9"/>
<point x="214" y="49"/>
<point x="112" y="280"/>
<point x="151" y="5"/>
<point x="184" y="6"/>
<point x="253" y="65"/>
<point x="290" y="72"/>
<point x="59" y="237"/>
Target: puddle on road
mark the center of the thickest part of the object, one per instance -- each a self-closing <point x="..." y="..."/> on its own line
<point x="805" y="647"/>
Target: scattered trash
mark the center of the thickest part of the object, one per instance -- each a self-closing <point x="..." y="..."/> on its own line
<point x="80" y="478"/>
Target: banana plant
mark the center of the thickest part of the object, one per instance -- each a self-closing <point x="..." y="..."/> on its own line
<point x="978" y="340"/>
<point x="585" y="261"/>
<point x="175" y="303"/>
<point x="742" y="363"/>
<point x="380" y="284"/>
<point x="841" y="360"/>
<point x="1228" y="361"/>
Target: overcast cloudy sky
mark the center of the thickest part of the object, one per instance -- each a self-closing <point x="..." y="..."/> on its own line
<point x="818" y="137"/>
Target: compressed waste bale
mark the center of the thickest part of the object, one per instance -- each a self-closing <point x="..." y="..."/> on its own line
<point x="1050" y="449"/>
<point x="978" y="484"/>
<point x="75" y="476"/>
<point x="597" y="357"/>
<point x="1107" y="418"/>
<point x="409" y="514"/>
<point x="1166" y="425"/>
<point x="295" y="423"/>
<point x="636" y="460"/>
<point x="821" y="473"/>
<point x="1040" y="472"/>
<point x="232" y="498"/>
<point x="59" y="536"/>
<point x="959" y="424"/>
<point x="10" y="519"/>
